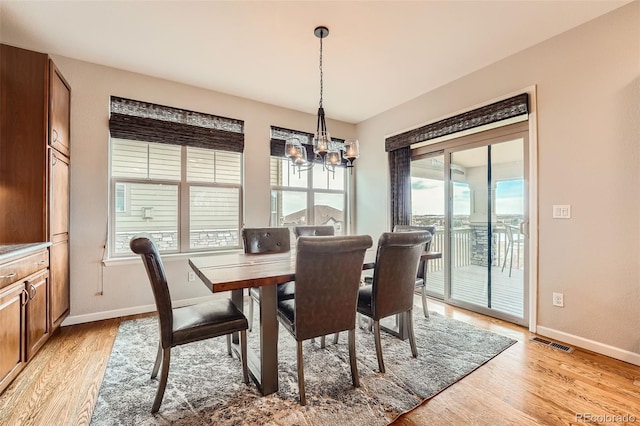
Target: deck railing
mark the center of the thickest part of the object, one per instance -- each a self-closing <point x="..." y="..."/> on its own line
<point x="461" y="245"/>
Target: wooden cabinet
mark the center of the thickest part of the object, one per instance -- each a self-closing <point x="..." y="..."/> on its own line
<point x="12" y="336"/>
<point x="59" y="195"/>
<point x="37" y="317"/>
<point x="59" y="110"/>
<point x="35" y="164"/>
<point x="24" y="307"/>
<point x="59" y="290"/>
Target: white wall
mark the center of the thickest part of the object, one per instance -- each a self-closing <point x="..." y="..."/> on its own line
<point x="588" y="99"/>
<point x="125" y="286"/>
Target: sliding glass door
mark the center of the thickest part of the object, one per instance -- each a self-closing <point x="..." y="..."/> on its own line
<point x="474" y="190"/>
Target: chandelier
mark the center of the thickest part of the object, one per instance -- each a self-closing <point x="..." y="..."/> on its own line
<point x="326" y="151"/>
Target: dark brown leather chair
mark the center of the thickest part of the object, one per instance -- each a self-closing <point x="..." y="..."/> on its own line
<point x="327" y="279"/>
<point x="265" y="241"/>
<point x="394" y="275"/>
<point x="189" y="323"/>
<point x="421" y="276"/>
<point x="314" y="231"/>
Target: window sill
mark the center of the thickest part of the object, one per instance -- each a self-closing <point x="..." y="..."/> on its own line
<point x="166" y="258"/>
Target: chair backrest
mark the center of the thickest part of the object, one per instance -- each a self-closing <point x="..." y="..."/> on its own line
<point x="394" y="275"/>
<point x="408" y="228"/>
<point x="327" y="279"/>
<point x="314" y="230"/>
<point x="158" y="279"/>
<point x="266" y="240"/>
<point x="508" y="230"/>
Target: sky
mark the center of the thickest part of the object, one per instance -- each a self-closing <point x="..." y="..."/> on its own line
<point x="427" y="197"/>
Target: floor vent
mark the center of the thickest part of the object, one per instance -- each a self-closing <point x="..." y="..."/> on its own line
<point x="558" y="346"/>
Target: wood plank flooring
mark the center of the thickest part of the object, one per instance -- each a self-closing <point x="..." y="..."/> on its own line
<point x="528" y="384"/>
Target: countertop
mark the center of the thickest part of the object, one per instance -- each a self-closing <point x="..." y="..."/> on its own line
<point x="9" y="251"/>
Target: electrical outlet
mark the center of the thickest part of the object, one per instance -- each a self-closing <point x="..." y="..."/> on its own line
<point x="192" y="276"/>
<point x="558" y="300"/>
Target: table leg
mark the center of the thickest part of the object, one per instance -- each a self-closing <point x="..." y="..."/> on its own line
<point x="263" y="368"/>
<point x="268" y="339"/>
<point x="401" y="331"/>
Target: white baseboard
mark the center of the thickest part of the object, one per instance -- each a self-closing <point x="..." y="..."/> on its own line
<point x="601" y="348"/>
<point x="116" y="313"/>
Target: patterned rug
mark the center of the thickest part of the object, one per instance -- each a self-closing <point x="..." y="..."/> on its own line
<point x="205" y="384"/>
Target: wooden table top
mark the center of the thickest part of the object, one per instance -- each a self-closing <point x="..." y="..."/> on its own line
<point x="235" y="271"/>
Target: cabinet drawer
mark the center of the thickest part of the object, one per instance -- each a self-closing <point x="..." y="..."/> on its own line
<point x="23" y="267"/>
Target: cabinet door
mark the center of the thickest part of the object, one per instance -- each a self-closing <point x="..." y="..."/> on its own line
<point x="58" y="195"/>
<point x="12" y="324"/>
<point x="59" y="269"/>
<point x="59" y="107"/>
<point x="37" y="318"/>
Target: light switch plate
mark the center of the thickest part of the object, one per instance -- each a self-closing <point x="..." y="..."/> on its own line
<point x="562" y="211"/>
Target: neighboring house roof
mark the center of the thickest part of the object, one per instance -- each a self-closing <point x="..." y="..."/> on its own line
<point x="323" y="215"/>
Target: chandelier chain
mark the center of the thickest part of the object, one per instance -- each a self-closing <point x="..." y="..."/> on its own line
<point x="321" y="83"/>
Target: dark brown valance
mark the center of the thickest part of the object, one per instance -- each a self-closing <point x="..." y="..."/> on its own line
<point x="279" y="136"/>
<point x="508" y="108"/>
<point x="149" y="122"/>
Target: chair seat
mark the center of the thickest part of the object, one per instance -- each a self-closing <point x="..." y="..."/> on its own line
<point x="286" y="312"/>
<point x="205" y="320"/>
<point x="365" y="295"/>
<point x="283" y="291"/>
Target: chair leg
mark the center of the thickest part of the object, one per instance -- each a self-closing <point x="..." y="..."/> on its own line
<point x="303" y="398"/>
<point x="335" y="338"/>
<point x="412" y="336"/>
<point x="166" y="358"/>
<point x="511" y="261"/>
<point x="156" y="366"/>
<point x="229" y="344"/>
<point x="243" y="355"/>
<point x="352" y="358"/>
<point x="322" y="342"/>
<point x="376" y="336"/>
<point x="424" y="302"/>
<point x="504" y="261"/>
<point x="250" y="311"/>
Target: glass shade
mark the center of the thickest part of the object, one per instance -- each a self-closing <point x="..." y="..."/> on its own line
<point x="321" y="142"/>
<point x="292" y="148"/>
<point x="351" y="149"/>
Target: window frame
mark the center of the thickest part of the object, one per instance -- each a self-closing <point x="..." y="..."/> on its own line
<point x="310" y="192"/>
<point x="183" y="203"/>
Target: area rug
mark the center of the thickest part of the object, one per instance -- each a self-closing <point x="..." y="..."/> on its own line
<point x="205" y="385"/>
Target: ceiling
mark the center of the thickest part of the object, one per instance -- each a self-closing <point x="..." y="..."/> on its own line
<point x="378" y="54"/>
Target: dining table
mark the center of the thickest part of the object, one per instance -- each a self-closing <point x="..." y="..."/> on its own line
<point x="237" y="271"/>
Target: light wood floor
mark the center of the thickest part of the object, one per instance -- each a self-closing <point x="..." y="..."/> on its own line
<point x="526" y="384"/>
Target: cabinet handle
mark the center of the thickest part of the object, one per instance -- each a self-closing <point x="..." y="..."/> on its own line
<point x="42" y="262"/>
<point x="11" y="275"/>
<point x="35" y="291"/>
<point x="54" y="132"/>
<point x="26" y="298"/>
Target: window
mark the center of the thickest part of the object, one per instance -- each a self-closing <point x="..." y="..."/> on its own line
<point x="313" y="197"/>
<point x="186" y="193"/>
<point x="120" y="201"/>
